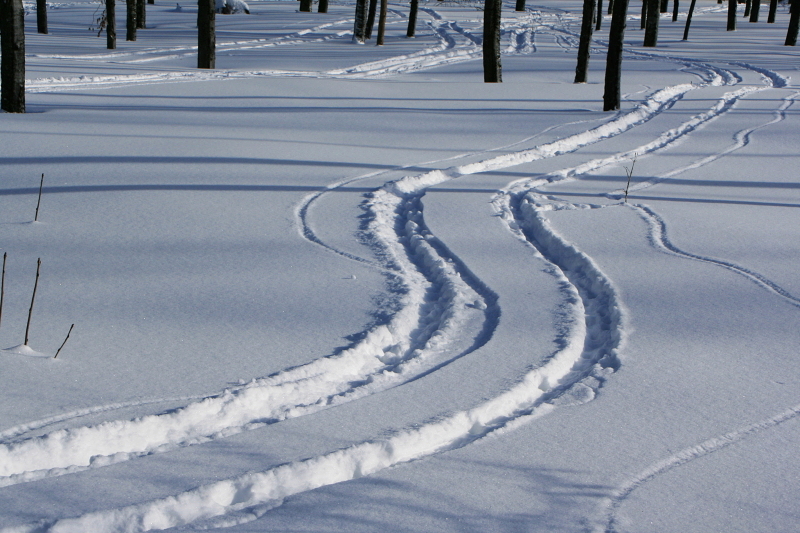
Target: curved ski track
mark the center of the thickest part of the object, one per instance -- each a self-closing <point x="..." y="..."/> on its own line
<point x="428" y="282"/>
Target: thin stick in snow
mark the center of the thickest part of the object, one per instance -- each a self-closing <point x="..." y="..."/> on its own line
<point x="30" y="311"/>
<point x="39" y="201"/>
<point x="65" y="341"/>
<point x="3" y="285"/>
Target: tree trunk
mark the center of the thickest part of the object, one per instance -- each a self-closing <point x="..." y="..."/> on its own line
<point x="373" y="7"/>
<point x="664" y="7"/>
<point x="12" y="56"/>
<point x="412" y="18"/>
<point x="382" y="22"/>
<point x="111" y="24"/>
<point x="305" y="5"/>
<point x="359" y="27"/>
<point x="598" y="15"/>
<point x="130" y="21"/>
<point x="151" y="1"/>
<point x="794" y="23"/>
<point x="520" y="5"/>
<point x="206" y="34"/>
<point x="675" y="8"/>
<point x="689" y="20"/>
<point x="41" y="16"/>
<point x="610" y="7"/>
<point x="756" y="7"/>
<point x="773" y="8"/>
<point x="643" y="19"/>
<point x="747" y="5"/>
<point x="323" y="6"/>
<point x="611" y="94"/>
<point x="492" y="67"/>
<point x="732" y="5"/>
<point x="141" y="14"/>
<point x="651" y="26"/>
<point x="584" y="46"/>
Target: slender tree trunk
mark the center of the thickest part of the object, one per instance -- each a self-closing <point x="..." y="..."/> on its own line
<point x="151" y="1"/>
<point x="612" y="93"/>
<point x="111" y="24"/>
<point x="643" y="20"/>
<point x="382" y="22"/>
<point x="323" y="6"/>
<point x="747" y="5"/>
<point x="360" y="25"/>
<point x="492" y="67"/>
<point x="794" y="23"/>
<point x="610" y="7"/>
<point x="651" y="26"/>
<point x="773" y="8"/>
<point x="305" y="5"/>
<point x="732" y="5"/>
<point x="756" y="7"/>
<point x="206" y="34"/>
<point x="130" y="20"/>
<point x="141" y="14"/>
<point x="689" y="20"/>
<point x="412" y="19"/>
<point x="41" y="16"/>
<point x="664" y="7"/>
<point x="675" y="8"/>
<point x="520" y="5"/>
<point x="373" y="7"/>
<point x="598" y="15"/>
<point x="584" y="46"/>
<point x="12" y="56"/>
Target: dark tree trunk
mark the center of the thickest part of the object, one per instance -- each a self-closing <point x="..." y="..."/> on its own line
<point x="359" y="27"/>
<point x="732" y="15"/>
<point x="643" y="19"/>
<point x="382" y="22"/>
<point x="12" y="56"/>
<point x="747" y="5"/>
<point x="773" y="8"/>
<point x="610" y="7"/>
<point x="794" y="23"/>
<point x="412" y="18"/>
<point x="598" y="15"/>
<point x="41" y="16"/>
<point x="689" y="20"/>
<point x="584" y="46"/>
<point x="305" y="5"/>
<point x="111" y="24"/>
<point x="141" y="14"/>
<point x="675" y="8"/>
<point x="651" y="26"/>
<point x="664" y="7"/>
<point x="206" y="34"/>
<point x="323" y="6"/>
<point x="492" y="67"/>
<point x="612" y="94"/>
<point x="130" y="20"/>
<point x="520" y="5"/>
<point x="754" y="10"/>
<point x="373" y="8"/>
<point x="151" y="1"/>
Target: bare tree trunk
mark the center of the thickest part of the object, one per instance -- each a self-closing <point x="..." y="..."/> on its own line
<point x="130" y="21"/>
<point x="773" y="8"/>
<point x="754" y="10"/>
<point x="41" y="16"/>
<point x="643" y="20"/>
<point x="598" y="14"/>
<point x="141" y="14"/>
<point x="520" y="5"/>
<point x="412" y="18"/>
<point x="206" y="34"/>
<point x="111" y="24"/>
<point x="151" y="1"/>
<point x="323" y="6"/>
<point x="794" y="23"/>
<point x="689" y="20"/>
<point x="584" y="46"/>
<point x="12" y="56"/>
<point x="675" y="8"/>
<point x="382" y="22"/>
<point x="360" y="25"/>
<point x="610" y="7"/>
<point x="664" y="7"/>
<point x="747" y="5"/>
<point x="373" y="7"/>
<point x="492" y="66"/>
<point x="651" y="26"/>
<point x="305" y="6"/>
<point x="732" y="5"/>
<point x="612" y="94"/>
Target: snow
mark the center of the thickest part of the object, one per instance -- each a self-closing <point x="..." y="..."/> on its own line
<point x="335" y="287"/>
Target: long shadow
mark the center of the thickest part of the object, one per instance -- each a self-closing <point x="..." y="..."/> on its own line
<point x="632" y="197"/>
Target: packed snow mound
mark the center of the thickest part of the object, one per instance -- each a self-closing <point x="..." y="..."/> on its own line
<point x="229" y="7"/>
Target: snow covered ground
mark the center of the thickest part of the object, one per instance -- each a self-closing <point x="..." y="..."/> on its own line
<point x="330" y="287"/>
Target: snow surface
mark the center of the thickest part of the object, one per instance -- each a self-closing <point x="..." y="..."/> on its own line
<point x="334" y="287"/>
